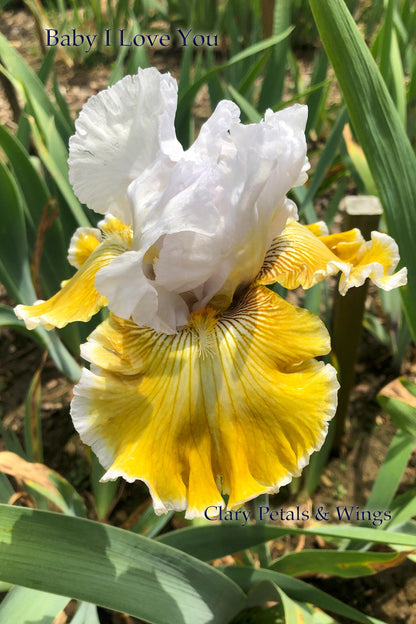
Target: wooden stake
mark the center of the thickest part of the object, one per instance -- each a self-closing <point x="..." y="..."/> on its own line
<point x="363" y="212"/>
<point x="267" y="12"/>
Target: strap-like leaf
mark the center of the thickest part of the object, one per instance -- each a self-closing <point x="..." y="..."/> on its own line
<point x="379" y="130"/>
<point x="212" y="542"/>
<point x="112" y="568"/>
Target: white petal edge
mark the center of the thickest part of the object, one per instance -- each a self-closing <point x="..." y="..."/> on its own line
<point x="73" y="245"/>
<point x="375" y="270"/>
<point x="107" y="458"/>
<point x="119" y="133"/>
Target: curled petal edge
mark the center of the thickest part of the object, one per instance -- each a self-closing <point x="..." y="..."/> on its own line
<point x="78" y="299"/>
<point x="233" y="403"/>
<point x="305" y="255"/>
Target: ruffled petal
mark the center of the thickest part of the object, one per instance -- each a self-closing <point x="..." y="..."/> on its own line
<point x="298" y="258"/>
<point x="377" y="259"/>
<point x="319" y="228"/>
<point x="83" y="243"/>
<point x="345" y="245"/>
<point x="119" y="133"/>
<point x="125" y="160"/>
<point x="213" y="138"/>
<point x="78" y="299"/>
<point x="305" y="255"/>
<point x="232" y="403"/>
<point x="240" y="175"/>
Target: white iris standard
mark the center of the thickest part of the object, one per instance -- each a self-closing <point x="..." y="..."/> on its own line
<point x="202" y="219"/>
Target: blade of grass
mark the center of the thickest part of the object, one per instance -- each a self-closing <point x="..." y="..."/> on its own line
<point x="248" y="80"/>
<point x="379" y="130"/>
<point x="47" y="65"/>
<point x="62" y="103"/>
<point x="36" y="195"/>
<point x="252" y="115"/>
<point x="274" y="78"/>
<point x="14" y="262"/>
<point x="11" y="441"/>
<point x="184" y="123"/>
<point x="32" y="420"/>
<point x="403" y="508"/>
<point x="150" y="524"/>
<point x="216" y="90"/>
<point x="401" y="413"/>
<point x="6" y="490"/>
<point x="233" y="75"/>
<point x="318" y="462"/>
<point x="314" y="101"/>
<point x="386" y="32"/>
<point x="333" y="205"/>
<point x="398" y="79"/>
<point x="187" y="93"/>
<point x="409" y="385"/>
<point x="104" y="493"/>
<point x="25" y="606"/>
<point x="212" y="542"/>
<point x="326" y="159"/>
<point x="292" y="613"/>
<point x="55" y="161"/>
<point x="296" y="590"/>
<point x="138" y="55"/>
<point x="355" y="159"/>
<point x="345" y="564"/>
<point x="23" y="76"/>
<point x="48" y="340"/>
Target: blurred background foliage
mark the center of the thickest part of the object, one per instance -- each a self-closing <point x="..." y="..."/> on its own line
<point x="269" y="54"/>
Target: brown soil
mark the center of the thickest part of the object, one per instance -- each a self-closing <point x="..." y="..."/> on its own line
<point x="347" y="479"/>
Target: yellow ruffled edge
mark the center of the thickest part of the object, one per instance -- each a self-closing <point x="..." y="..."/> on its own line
<point x="377" y="260"/>
<point x="305" y="255"/>
<point x="78" y="299"/>
<point x="298" y="258"/>
<point x="83" y="242"/>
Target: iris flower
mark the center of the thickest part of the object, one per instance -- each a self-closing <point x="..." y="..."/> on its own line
<point x="202" y="380"/>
